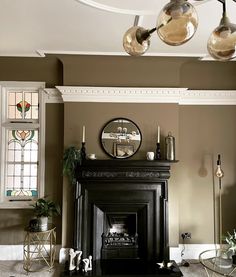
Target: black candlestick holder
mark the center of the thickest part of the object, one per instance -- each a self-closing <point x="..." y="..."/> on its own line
<point x="158" y="151"/>
<point x="83" y="152"/>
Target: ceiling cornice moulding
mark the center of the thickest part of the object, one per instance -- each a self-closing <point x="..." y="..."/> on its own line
<point x="181" y="96"/>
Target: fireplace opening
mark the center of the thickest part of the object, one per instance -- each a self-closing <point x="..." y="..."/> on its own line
<point x="120" y="237"/>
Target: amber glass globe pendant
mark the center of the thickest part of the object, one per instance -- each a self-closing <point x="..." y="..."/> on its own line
<point x="177" y="22"/>
<point x="221" y="44"/>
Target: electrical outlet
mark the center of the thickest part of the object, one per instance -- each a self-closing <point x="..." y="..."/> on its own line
<point x="186" y="235"/>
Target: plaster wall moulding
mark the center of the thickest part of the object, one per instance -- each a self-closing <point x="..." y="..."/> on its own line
<point x="181" y="96"/>
<point x="53" y="95"/>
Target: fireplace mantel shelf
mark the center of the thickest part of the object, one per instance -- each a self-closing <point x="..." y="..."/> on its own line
<point x="125" y="169"/>
<point x="119" y="162"/>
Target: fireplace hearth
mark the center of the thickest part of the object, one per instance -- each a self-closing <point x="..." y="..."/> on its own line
<point x="121" y="217"/>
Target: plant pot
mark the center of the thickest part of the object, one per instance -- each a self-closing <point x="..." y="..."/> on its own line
<point x="234" y="259"/>
<point x="43" y="223"/>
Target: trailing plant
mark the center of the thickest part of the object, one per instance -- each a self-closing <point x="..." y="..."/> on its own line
<point x="71" y="160"/>
<point x="45" y="207"/>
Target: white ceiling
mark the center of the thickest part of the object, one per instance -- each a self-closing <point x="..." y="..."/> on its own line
<point x="38" y="27"/>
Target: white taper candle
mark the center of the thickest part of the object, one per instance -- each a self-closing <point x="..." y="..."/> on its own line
<point x="158" y="133"/>
<point x="83" y="137"/>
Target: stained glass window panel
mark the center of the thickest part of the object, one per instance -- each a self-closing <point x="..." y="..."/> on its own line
<point x="33" y="183"/>
<point x="26" y="170"/>
<point x="23" y="105"/>
<point x="22" y="163"/>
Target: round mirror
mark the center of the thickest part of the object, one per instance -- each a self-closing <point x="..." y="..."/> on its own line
<point x="121" y="138"/>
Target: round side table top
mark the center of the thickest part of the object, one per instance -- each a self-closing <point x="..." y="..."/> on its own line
<point x="216" y="261"/>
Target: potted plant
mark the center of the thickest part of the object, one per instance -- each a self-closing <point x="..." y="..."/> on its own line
<point x="43" y="209"/>
<point x="71" y="160"/>
<point x="231" y="240"/>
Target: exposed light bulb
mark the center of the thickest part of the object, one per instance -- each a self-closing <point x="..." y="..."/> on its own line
<point x="222" y="41"/>
<point x="136" y="41"/>
<point x="177" y="22"/>
<point x="219" y="172"/>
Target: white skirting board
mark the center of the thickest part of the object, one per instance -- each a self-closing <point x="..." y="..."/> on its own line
<point x="191" y="251"/>
<point x="15" y="252"/>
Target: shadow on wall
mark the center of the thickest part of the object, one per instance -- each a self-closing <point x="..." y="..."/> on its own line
<point x="12" y="225"/>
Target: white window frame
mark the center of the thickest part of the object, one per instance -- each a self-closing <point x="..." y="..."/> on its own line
<point x="5" y="87"/>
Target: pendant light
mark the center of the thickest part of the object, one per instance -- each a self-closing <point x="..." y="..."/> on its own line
<point x="136" y="40"/>
<point x="221" y="44"/>
<point x="177" y="22"/>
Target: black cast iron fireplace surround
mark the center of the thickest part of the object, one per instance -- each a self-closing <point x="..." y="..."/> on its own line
<point x="130" y="197"/>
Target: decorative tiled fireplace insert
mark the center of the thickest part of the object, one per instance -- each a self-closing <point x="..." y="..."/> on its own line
<point x="121" y="214"/>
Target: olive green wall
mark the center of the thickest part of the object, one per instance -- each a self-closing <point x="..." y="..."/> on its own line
<point x="205" y="132"/>
<point x="201" y="132"/>
<point x="148" y="72"/>
<point x="12" y="222"/>
<point x="159" y="72"/>
<point x="94" y="116"/>
<point x="48" y="70"/>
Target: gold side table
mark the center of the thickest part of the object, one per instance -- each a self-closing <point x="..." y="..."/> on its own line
<point x="39" y="249"/>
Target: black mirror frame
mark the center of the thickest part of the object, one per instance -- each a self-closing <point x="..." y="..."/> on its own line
<point x="109" y="154"/>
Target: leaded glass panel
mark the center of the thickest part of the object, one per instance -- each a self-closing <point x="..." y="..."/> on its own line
<point x="22" y="163"/>
<point x="23" y="105"/>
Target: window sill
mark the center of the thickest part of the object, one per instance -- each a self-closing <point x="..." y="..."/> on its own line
<point x="16" y="205"/>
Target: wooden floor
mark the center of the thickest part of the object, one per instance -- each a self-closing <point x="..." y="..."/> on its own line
<point x="15" y="269"/>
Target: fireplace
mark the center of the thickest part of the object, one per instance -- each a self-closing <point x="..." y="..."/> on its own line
<point x="121" y="213"/>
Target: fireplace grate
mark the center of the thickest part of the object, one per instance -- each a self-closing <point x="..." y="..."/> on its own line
<point x="112" y="240"/>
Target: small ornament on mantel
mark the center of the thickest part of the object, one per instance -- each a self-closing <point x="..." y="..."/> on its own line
<point x="158" y="149"/>
<point x="170" y="147"/>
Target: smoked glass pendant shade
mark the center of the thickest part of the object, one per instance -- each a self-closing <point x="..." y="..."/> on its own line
<point x="177" y="22"/>
<point x="222" y="41"/>
<point x="136" y="41"/>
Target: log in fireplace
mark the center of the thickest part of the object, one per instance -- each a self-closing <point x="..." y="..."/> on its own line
<point x="121" y="215"/>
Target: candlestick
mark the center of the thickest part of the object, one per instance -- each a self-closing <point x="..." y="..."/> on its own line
<point x="83" y="152"/>
<point x="158" y="152"/>
<point x="83" y="136"/>
<point x="158" y="133"/>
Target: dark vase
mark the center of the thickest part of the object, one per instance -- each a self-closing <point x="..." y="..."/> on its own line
<point x="234" y="259"/>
